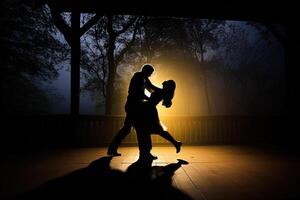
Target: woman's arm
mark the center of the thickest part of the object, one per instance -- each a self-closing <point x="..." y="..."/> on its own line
<point x="150" y="86"/>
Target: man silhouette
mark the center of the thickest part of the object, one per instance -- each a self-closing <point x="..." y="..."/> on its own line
<point x="136" y="95"/>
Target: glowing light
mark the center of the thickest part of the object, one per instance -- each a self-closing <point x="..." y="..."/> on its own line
<point x="147" y="93"/>
<point x="164" y="126"/>
<point x="189" y="98"/>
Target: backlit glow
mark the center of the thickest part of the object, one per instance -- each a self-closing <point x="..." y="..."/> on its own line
<point x="147" y="93"/>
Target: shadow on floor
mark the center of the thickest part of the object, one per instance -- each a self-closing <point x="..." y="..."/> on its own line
<point x="100" y="181"/>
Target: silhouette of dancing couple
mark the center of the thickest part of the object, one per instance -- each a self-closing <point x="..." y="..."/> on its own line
<point x="141" y="113"/>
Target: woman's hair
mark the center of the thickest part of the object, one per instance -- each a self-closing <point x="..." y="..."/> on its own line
<point x="169" y="89"/>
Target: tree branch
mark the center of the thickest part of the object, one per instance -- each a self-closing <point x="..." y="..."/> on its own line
<point x="61" y="25"/>
<point x="129" y="44"/>
<point x="276" y="34"/>
<point x="89" y="24"/>
<point x="127" y="26"/>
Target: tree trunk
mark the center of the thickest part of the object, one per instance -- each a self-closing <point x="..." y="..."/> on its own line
<point x="206" y="91"/>
<point x="205" y="81"/>
<point x="201" y="54"/>
<point x="111" y="68"/>
<point x="75" y="63"/>
<point x="110" y="82"/>
<point x="109" y="94"/>
<point x="228" y="98"/>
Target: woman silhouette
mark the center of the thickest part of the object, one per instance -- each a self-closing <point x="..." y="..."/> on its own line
<point x="147" y="121"/>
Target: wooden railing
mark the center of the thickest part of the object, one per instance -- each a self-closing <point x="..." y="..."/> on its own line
<point x="64" y="130"/>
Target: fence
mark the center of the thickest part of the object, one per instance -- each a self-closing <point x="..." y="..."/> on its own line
<point x="64" y="130"/>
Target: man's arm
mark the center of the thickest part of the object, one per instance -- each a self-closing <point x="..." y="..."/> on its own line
<point x="137" y="87"/>
<point x="150" y="86"/>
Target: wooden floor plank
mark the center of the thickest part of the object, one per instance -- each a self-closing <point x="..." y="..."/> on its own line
<point x="184" y="183"/>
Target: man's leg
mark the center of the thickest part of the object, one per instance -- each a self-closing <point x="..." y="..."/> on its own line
<point x="123" y="132"/>
<point x="145" y="144"/>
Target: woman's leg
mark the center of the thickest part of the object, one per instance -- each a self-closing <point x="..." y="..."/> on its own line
<point x="166" y="135"/>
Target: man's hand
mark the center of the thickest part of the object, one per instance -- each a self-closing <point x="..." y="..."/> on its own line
<point x="168" y="105"/>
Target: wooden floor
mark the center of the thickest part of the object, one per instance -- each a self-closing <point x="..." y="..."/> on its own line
<point x="212" y="172"/>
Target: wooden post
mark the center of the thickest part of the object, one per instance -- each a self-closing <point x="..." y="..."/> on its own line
<point x="75" y="62"/>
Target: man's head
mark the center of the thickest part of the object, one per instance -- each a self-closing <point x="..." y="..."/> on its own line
<point x="147" y="70"/>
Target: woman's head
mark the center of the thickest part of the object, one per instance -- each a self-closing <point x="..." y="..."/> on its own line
<point x="169" y="89"/>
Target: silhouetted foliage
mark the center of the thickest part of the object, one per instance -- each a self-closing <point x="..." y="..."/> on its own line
<point x="204" y="36"/>
<point x="113" y="36"/>
<point x="206" y="49"/>
<point x="147" y="38"/>
<point x="30" y="52"/>
<point x="252" y="67"/>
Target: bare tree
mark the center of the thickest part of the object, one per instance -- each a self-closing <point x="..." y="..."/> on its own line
<point x="203" y="34"/>
<point x="107" y="44"/>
